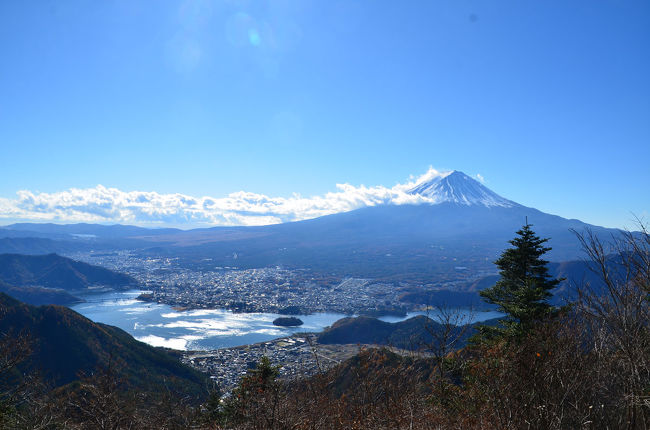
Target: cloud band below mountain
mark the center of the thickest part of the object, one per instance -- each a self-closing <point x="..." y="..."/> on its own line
<point x="110" y="205"/>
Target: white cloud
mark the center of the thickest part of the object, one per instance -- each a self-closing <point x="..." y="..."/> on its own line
<point x="110" y="205"/>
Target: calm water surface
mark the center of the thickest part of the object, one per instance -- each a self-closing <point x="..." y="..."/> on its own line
<point x="160" y="325"/>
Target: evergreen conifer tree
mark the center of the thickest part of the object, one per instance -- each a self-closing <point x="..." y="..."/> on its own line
<point x="525" y="286"/>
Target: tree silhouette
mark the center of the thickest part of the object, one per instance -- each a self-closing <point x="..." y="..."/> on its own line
<point x="525" y="286"/>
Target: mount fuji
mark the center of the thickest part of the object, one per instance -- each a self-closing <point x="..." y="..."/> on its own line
<point x="456" y="230"/>
<point x="456" y="187"/>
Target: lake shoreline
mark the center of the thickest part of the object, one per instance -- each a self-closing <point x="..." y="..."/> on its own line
<point x="205" y="329"/>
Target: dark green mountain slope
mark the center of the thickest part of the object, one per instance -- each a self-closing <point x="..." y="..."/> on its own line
<point x="38" y="295"/>
<point x="65" y="344"/>
<point x="54" y="271"/>
<point x="413" y="333"/>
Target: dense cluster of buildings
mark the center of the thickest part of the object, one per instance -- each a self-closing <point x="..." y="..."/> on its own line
<point x="270" y="289"/>
<point x="297" y="356"/>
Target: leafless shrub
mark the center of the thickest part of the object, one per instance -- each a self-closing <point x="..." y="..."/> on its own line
<point x="617" y="317"/>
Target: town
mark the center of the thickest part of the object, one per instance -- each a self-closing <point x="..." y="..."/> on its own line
<point x="269" y="289"/>
<point x="296" y="356"/>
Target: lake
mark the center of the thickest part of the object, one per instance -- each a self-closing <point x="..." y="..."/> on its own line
<point x="202" y="329"/>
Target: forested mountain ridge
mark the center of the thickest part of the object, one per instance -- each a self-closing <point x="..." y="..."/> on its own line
<point x="52" y="279"/>
<point x="62" y="345"/>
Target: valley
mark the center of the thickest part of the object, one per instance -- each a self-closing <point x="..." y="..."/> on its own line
<point x="324" y="215"/>
<point x="404" y="280"/>
<point x="268" y="289"/>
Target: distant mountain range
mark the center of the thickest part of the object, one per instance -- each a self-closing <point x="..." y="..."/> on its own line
<point x="52" y="279"/>
<point x="81" y="231"/>
<point x="574" y="274"/>
<point x="64" y="344"/>
<point x="456" y="235"/>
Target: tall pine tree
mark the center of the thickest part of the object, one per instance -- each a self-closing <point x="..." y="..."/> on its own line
<point x="525" y="286"/>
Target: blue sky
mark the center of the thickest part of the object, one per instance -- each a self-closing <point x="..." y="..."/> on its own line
<point x="549" y="101"/>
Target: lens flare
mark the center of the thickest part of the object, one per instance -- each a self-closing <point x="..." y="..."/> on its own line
<point x="254" y="37"/>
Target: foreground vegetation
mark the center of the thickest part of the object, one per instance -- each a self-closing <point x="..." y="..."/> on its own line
<point x="585" y="365"/>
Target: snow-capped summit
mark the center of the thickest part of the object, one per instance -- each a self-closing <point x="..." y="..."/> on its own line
<point x="457" y="187"/>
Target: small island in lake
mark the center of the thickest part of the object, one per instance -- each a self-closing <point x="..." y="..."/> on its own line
<point x="287" y="321"/>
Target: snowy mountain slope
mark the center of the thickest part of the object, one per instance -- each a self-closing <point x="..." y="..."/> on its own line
<point x="457" y="187"/>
